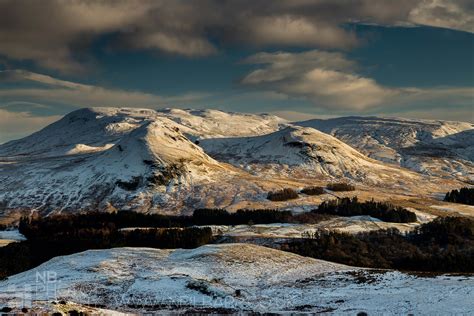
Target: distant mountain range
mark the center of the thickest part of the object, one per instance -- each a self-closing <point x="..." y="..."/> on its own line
<point x="438" y="148"/>
<point x="175" y="160"/>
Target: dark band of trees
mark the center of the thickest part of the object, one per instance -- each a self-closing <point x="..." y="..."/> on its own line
<point x="463" y="196"/>
<point x="443" y="245"/>
<point x="352" y="207"/>
<point x="40" y="247"/>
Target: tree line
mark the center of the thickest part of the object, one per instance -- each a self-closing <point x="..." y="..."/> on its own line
<point x="64" y="234"/>
<point x="352" y="207"/>
<point x="40" y="247"/>
<point x="291" y="194"/>
<point x="34" y="228"/>
<point x="463" y="196"/>
<point x="443" y="245"/>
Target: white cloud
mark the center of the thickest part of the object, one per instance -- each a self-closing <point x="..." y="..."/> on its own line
<point x="298" y="31"/>
<point x="284" y="65"/>
<point x="329" y="80"/>
<point x="339" y="90"/>
<point x="183" y="45"/>
<point x="325" y="78"/>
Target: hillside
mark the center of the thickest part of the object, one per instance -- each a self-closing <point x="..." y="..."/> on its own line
<point x="217" y="124"/>
<point x="160" y="161"/>
<point x="149" y="163"/>
<point x="298" y="150"/>
<point x="436" y="148"/>
<point x="229" y="277"/>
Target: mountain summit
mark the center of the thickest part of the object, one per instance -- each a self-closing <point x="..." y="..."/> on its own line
<point x="177" y="160"/>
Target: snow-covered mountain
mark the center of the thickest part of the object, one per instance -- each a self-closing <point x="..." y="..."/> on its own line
<point x="438" y="148"/>
<point x="94" y="159"/>
<point x="160" y="161"/>
<point x="230" y="278"/>
<point x="216" y="124"/>
<point x="81" y="131"/>
<point x="300" y="150"/>
<point x="92" y="129"/>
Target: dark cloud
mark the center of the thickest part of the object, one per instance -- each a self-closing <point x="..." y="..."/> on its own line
<point x="48" y="32"/>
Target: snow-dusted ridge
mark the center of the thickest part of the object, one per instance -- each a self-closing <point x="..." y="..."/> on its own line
<point x="302" y="150"/>
<point x="433" y="147"/>
<point x="217" y="124"/>
<point x="149" y="161"/>
<point x="233" y="277"/>
<point x="160" y="160"/>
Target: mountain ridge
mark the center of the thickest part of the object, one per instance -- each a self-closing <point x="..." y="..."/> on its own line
<point x="401" y="141"/>
<point x="176" y="160"/>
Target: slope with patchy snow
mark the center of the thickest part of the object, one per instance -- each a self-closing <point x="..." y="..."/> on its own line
<point x="437" y="148"/>
<point x="351" y="225"/>
<point x="302" y="151"/>
<point x="149" y="160"/>
<point x="230" y="277"/>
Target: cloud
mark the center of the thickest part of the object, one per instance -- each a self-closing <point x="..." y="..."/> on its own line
<point x="298" y="31"/>
<point x="452" y="14"/>
<point x="49" y="32"/>
<point x="57" y="34"/>
<point x="326" y="78"/>
<point x="14" y="125"/>
<point x="329" y="80"/>
<point x="341" y="90"/>
<point x="16" y="75"/>
<point x="72" y="94"/>
<point x="282" y="65"/>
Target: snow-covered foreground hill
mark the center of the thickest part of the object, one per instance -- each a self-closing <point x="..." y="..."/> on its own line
<point x="438" y="148"/>
<point x="160" y="161"/>
<point x="229" y="277"/>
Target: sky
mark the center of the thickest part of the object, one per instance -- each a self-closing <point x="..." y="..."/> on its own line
<point x="295" y="58"/>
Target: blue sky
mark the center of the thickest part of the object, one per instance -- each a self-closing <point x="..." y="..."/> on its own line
<point x="296" y="59"/>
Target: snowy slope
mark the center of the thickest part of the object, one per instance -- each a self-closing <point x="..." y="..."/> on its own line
<point x="146" y="166"/>
<point x="304" y="150"/>
<point x="352" y="225"/>
<point x="232" y="277"/>
<point x="157" y="161"/>
<point x="90" y="127"/>
<point x="10" y="236"/>
<point x="214" y="123"/>
<point x="439" y="148"/>
<point x="96" y="129"/>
